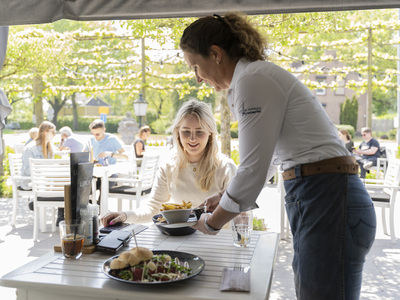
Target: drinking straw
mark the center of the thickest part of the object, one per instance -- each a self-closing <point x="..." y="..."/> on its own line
<point x="134" y="236"/>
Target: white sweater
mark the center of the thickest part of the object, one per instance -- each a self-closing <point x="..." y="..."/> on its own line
<point x="185" y="188"/>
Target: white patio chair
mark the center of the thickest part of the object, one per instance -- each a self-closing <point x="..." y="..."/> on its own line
<point x="138" y="187"/>
<point x="384" y="192"/>
<point x="15" y="161"/>
<point x="49" y="176"/>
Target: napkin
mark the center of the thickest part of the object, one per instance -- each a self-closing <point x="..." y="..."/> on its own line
<point x="235" y="279"/>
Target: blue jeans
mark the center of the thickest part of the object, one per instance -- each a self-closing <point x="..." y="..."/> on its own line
<point x="333" y="223"/>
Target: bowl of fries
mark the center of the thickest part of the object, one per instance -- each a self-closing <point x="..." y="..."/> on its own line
<point x="176" y="213"/>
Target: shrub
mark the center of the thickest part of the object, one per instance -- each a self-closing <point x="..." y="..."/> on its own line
<point x="235" y="156"/>
<point x="349" y="112"/>
<point x="349" y="128"/>
<point x="6" y="190"/>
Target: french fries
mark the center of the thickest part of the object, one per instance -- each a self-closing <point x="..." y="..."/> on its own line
<point x="171" y="206"/>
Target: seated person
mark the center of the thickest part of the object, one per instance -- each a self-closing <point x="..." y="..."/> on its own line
<point x="368" y="151"/>
<point x="106" y="148"/>
<point x="139" y="143"/>
<point x="70" y="141"/>
<point x="346" y="138"/>
<point x="39" y="148"/>
<point x="33" y="134"/>
<point x="195" y="171"/>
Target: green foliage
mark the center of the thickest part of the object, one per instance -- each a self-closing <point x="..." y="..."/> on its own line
<point x="6" y="190"/>
<point x="392" y="133"/>
<point x="349" y="128"/>
<point x="235" y="156"/>
<point x="349" y="112"/>
<point x="84" y="122"/>
<point x="259" y="224"/>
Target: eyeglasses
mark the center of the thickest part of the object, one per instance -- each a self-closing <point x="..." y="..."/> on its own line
<point x="196" y="134"/>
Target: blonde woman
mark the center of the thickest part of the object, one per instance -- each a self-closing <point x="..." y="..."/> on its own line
<point x="196" y="170"/>
<point x="41" y="147"/>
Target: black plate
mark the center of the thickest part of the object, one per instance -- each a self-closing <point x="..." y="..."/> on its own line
<point x="186" y="230"/>
<point x="196" y="263"/>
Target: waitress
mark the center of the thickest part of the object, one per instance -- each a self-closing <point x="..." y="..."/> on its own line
<point x="281" y="123"/>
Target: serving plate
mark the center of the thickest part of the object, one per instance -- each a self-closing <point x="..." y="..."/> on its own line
<point x="177" y="225"/>
<point x="195" y="262"/>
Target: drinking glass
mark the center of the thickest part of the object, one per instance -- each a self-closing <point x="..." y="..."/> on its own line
<point x="72" y="238"/>
<point x="242" y="226"/>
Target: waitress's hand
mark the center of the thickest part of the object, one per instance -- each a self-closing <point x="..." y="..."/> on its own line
<point x="112" y="218"/>
<point x="201" y="227"/>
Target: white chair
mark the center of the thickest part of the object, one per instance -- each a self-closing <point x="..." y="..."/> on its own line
<point x="49" y="176"/>
<point x="384" y="192"/>
<point x="15" y="161"/>
<point x="138" y="187"/>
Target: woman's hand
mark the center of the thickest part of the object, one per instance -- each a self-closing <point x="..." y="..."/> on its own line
<point x="112" y="218"/>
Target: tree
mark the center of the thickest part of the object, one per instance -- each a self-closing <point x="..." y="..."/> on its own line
<point x="349" y="112"/>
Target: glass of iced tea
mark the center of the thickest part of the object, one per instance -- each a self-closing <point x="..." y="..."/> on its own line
<point x="72" y="233"/>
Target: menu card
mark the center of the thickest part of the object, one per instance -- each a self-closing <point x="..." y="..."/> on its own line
<point x="81" y="182"/>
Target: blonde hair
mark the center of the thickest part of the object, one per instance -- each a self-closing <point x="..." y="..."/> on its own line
<point x="44" y="128"/>
<point x="210" y="161"/>
<point x="232" y="32"/>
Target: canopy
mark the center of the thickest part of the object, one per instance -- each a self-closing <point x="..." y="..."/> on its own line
<point x="19" y="12"/>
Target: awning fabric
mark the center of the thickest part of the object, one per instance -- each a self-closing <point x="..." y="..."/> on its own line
<point x="19" y="12"/>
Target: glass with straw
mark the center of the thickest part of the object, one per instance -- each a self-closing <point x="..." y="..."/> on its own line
<point x="72" y="238"/>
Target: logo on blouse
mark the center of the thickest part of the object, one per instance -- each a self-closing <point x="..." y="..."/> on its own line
<point x="248" y="111"/>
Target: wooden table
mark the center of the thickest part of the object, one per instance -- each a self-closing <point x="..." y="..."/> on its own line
<point x="54" y="277"/>
<point x="103" y="172"/>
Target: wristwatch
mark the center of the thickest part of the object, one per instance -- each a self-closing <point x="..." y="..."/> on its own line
<point x="208" y="227"/>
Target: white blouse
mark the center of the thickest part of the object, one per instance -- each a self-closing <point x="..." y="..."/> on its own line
<point x="280" y="123"/>
<point x="164" y="190"/>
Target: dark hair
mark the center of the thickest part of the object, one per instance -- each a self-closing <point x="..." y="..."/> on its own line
<point x="233" y="33"/>
<point x="98" y="123"/>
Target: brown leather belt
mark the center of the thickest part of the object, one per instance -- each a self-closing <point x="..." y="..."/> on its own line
<point x="341" y="164"/>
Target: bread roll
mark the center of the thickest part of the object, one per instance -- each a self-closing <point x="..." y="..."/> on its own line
<point x="130" y="258"/>
<point x="142" y="253"/>
<point x="118" y="263"/>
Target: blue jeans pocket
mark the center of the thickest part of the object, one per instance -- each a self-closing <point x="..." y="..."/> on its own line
<point x="362" y="225"/>
<point x="294" y="216"/>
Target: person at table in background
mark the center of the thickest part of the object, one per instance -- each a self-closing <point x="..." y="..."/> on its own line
<point x="33" y="134"/>
<point x="70" y="141"/>
<point x="281" y="122"/>
<point x="196" y="170"/>
<point x="368" y="152"/>
<point x="140" y="142"/>
<point x="107" y="148"/>
<point x="346" y="138"/>
<point x="39" y="148"/>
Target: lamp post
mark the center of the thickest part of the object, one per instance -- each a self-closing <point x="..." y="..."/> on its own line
<point x="140" y="107"/>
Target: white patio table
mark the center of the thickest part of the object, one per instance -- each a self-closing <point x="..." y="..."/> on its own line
<point x="54" y="277"/>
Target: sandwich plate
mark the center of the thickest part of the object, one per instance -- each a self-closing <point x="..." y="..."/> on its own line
<point x="195" y="262"/>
